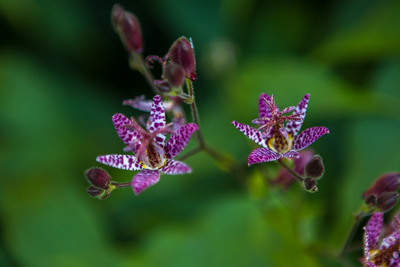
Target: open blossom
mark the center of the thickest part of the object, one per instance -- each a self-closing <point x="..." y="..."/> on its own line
<point x="152" y="154"/>
<point x="387" y="253"/>
<point x="279" y="134"/>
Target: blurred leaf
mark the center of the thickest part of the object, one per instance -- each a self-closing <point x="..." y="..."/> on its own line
<point x="372" y="34"/>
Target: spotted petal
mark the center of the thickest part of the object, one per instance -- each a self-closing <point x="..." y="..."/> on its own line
<point x="308" y="136"/>
<point x="290" y="154"/>
<point x="263" y="110"/>
<point x="157" y="119"/>
<point x="128" y="136"/>
<point x="141" y="103"/>
<point x="372" y="232"/>
<point x="262" y="155"/>
<point x="144" y="179"/>
<point x="293" y="126"/>
<point x="178" y="141"/>
<point x="175" y="167"/>
<point x="251" y="133"/>
<point x="125" y="162"/>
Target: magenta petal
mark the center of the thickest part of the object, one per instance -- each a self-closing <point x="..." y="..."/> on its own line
<point x="293" y="127"/>
<point x="373" y="231"/>
<point x="125" y="162"/>
<point x="308" y="136"/>
<point x="291" y="154"/>
<point x="139" y="103"/>
<point x="175" y="167"/>
<point x="157" y="119"/>
<point x="128" y="136"/>
<point x="178" y="141"/>
<point x="157" y="115"/>
<point x="251" y="133"/>
<point x="262" y="155"/>
<point x="263" y="110"/>
<point x="144" y="179"/>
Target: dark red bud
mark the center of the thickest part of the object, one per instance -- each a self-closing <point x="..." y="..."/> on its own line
<point x="128" y="27"/>
<point x="310" y="184"/>
<point x="116" y="15"/>
<point x="370" y="201"/>
<point x="314" y="168"/>
<point x="164" y="86"/>
<point x="98" y="178"/>
<point x="95" y="192"/>
<point x="175" y="74"/>
<point x="389" y="182"/>
<point x="387" y="201"/>
<point x="181" y="53"/>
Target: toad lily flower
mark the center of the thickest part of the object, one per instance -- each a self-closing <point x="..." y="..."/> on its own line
<point x="152" y="155"/>
<point x="387" y="253"/>
<point x="278" y="133"/>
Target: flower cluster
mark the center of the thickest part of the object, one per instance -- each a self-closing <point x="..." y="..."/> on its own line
<point x="279" y="134"/>
<point x="152" y="155"/>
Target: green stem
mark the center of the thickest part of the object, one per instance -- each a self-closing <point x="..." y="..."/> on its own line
<point x="357" y="220"/>
<point x="293" y="173"/>
<point x="121" y="185"/>
<point x="195" y="114"/>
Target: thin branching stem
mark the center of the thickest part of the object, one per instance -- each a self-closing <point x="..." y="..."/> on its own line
<point x="293" y="173"/>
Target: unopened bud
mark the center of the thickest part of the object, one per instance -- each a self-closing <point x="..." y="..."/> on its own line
<point x="389" y="182"/>
<point x="387" y="201"/>
<point x="128" y="27"/>
<point x="174" y="74"/>
<point x="310" y="185"/>
<point x="314" y="168"/>
<point x="181" y="53"/>
<point x="98" y="192"/>
<point x="164" y="86"/>
<point x="98" y="178"/>
<point x="370" y="201"/>
<point x="116" y="14"/>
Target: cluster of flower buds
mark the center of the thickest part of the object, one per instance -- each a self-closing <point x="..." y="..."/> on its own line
<point x="128" y="27"/>
<point x="100" y="183"/>
<point x="382" y="196"/>
<point x="313" y="171"/>
<point x="179" y="66"/>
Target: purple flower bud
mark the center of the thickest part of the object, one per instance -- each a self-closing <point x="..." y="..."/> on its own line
<point x="164" y="86"/>
<point x="174" y="74"/>
<point x="387" y="201"/>
<point x="389" y="182"/>
<point x="128" y="27"/>
<point x="98" y="192"/>
<point x="310" y="185"/>
<point x="116" y="14"/>
<point x="370" y="201"/>
<point x="181" y="53"/>
<point x="94" y="191"/>
<point x="98" y="178"/>
<point x="314" y="168"/>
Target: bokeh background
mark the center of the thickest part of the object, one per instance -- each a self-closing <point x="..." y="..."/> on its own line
<point x="64" y="73"/>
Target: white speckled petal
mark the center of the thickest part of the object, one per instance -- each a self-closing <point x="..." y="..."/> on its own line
<point x="293" y="127"/>
<point x="125" y="162"/>
<point x="144" y="180"/>
<point x="251" y="133"/>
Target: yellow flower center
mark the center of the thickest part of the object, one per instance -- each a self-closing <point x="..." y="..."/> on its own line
<point x="280" y="144"/>
<point x="154" y="157"/>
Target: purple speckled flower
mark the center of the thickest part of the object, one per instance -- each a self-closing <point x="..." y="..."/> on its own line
<point x="279" y="133"/>
<point x="387" y="253"/>
<point x="152" y="154"/>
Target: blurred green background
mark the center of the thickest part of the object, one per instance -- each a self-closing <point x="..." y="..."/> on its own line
<point x="64" y="73"/>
